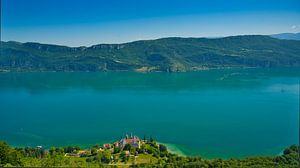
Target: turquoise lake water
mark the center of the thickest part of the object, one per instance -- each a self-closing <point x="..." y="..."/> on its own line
<point x="215" y="113"/>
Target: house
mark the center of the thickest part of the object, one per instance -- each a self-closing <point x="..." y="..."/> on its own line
<point x="134" y="141"/>
<point x="72" y="154"/>
<point x="83" y="152"/>
<point x="39" y="147"/>
<point x="116" y="144"/>
<point x="106" y="146"/>
<point x="127" y="153"/>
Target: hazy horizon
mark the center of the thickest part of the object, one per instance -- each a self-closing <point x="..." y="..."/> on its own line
<point x="85" y="23"/>
<point x="212" y="37"/>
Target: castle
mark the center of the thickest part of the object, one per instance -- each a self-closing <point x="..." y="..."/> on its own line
<point x="134" y="141"/>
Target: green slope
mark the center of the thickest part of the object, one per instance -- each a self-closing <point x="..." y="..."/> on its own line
<point x="166" y="54"/>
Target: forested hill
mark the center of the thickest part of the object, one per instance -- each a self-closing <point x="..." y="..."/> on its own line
<point x="287" y="36"/>
<point x="166" y="54"/>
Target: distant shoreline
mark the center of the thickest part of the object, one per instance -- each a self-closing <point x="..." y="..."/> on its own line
<point x="143" y="72"/>
<point x="138" y="71"/>
<point x="160" y="55"/>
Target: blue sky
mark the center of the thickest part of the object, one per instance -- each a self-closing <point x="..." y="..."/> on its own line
<point x="88" y="22"/>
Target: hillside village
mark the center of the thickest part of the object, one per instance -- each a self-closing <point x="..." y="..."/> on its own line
<point x="129" y="148"/>
<point x="124" y="144"/>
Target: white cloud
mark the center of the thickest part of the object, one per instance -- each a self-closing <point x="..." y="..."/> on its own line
<point x="295" y="27"/>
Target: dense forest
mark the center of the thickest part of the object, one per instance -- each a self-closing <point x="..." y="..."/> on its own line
<point x="166" y="54"/>
<point x="150" y="154"/>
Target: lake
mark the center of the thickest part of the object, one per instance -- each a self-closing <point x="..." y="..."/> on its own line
<point x="214" y="113"/>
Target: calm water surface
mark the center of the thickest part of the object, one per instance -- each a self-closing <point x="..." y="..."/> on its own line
<point x="216" y="113"/>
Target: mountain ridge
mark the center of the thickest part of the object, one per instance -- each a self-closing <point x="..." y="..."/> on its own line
<point x="287" y="36"/>
<point x="168" y="54"/>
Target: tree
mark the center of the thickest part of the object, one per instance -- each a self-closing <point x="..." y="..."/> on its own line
<point x="162" y="148"/>
<point x="71" y="149"/>
<point x="123" y="157"/>
<point x="94" y="151"/>
<point x="133" y="151"/>
<point x="89" y="159"/>
<point x="4" y="153"/>
<point x="294" y="148"/>
<point x="287" y="151"/>
<point x="52" y="151"/>
<point x="106" y="157"/>
<point x="116" y="150"/>
<point x="127" y="147"/>
<point x="151" y="139"/>
<point x="8" y="155"/>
